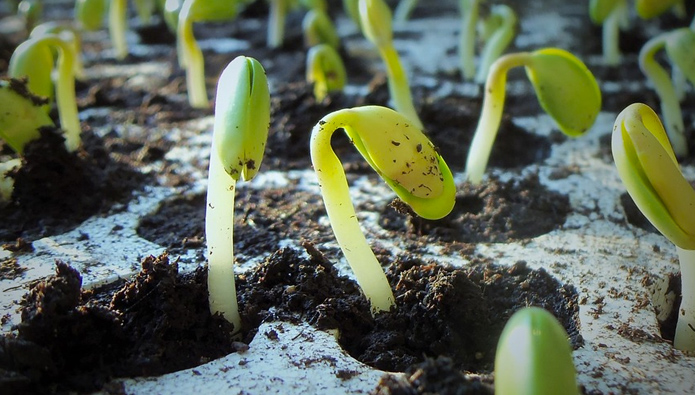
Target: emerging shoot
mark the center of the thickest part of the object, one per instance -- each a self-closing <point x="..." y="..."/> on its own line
<point x="276" y="21"/>
<point x="469" y="19"/>
<point x="680" y="48"/>
<point x="89" y="14"/>
<point x="325" y="70"/>
<point x="189" y="53"/>
<point x="534" y="356"/>
<point x="319" y="29"/>
<point x="565" y="88"/>
<point x="242" y="116"/>
<point x="375" y="17"/>
<point x="118" y="25"/>
<point x="406" y="160"/>
<point x="22" y="115"/>
<point x="502" y="22"/>
<point x="403" y="10"/>
<point x="611" y="14"/>
<point x="649" y="170"/>
<point x="34" y="59"/>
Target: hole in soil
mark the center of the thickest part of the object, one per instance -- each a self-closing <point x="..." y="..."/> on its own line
<point x="263" y="218"/>
<point x="492" y="212"/>
<point x="665" y="296"/>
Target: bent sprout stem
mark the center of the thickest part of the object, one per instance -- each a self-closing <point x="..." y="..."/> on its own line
<point x="403" y="157"/>
<point x="491" y="115"/>
<point x="276" y="23"/>
<point x="670" y="106"/>
<point x="191" y="57"/>
<point x="118" y="26"/>
<point x="25" y="59"/>
<point x="649" y="170"/>
<point x="565" y="88"/>
<point x="500" y="39"/>
<point x="610" y="33"/>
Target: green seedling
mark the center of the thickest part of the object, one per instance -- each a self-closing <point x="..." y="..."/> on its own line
<point x="22" y="114"/>
<point x="69" y="34"/>
<point x="325" y="70"/>
<point x="34" y="59"/>
<point x="90" y="14"/>
<point x="403" y="10"/>
<point x="190" y="54"/>
<point x="650" y="172"/>
<point x="647" y="9"/>
<point x="170" y="13"/>
<point x="242" y="116"/>
<point x="375" y="17"/>
<point x="680" y="48"/>
<point x="565" y="88"/>
<point x="118" y="26"/>
<point x="145" y="9"/>
<point x="534" y="356"/>
<point x="501" y="25"/>
<point x="276" y="21"/>
<point x="611" y="14"/>
<point x="470" y="10"/>
<point x="319" y="29"/>
<point x="351" y="8"/>
<point x="6" y="181"/>
<point x="404" y="158"/>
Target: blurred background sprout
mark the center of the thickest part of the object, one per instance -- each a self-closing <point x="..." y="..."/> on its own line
<point x="325" y="69"/>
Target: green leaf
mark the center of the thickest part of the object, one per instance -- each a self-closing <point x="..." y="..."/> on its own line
<point x="566" y="89"/>
<point x="680" y="47"/>
<point x="22" y="114"/>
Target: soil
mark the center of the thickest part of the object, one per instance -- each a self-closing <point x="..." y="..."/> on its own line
<point x="76" y="340"/>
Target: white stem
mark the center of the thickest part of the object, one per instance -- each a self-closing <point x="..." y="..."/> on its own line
<point x="219" y="225"/>
<point x="611" y="33"/>
<point x="403" y="10"/>
<point x="117" y="27"/>
<point x="276" y="23"/>
<point x="491" y="115"/>
<point x="685" y="328"/>
<point x="399" y="87"/>
<point x="469" y="19"/>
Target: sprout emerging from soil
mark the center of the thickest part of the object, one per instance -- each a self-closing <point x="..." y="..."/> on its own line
<point x="276" y="21"/>
<point x="190" y="55"/>
<point x="565" y="88"/>
<point x="375" y="17"/>
<point x="319" y="29"/>
<point x="502" y="24"/>
<point x="611" y="14"/>
<point x="325" y="70"/>
<point x="34" y="59"/>
<point x="118" y="25"/>
<point x="469" y="19"/>
<point x="145" y="9"/>
<point x="351" y="8"/>
<point x="534" y="356"/>
<point x="242" y="116"/>
<point x="22" y="114"/>
<point x="170" y="13"/>
<point x="89" y="14"/>
<point x="648" y="167"/>
<point x="680" y="48"/>
<point x="403" y="10"/>
<point x="648" y="9"/>
<point x="69" y="34"/>
<point x="407" y="161"/>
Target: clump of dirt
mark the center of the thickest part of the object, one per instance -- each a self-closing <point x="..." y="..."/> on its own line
<point x="493" y="211"/>
<point x="56" y="190"/>
<point x="433" y="376"/>
<point x="72" y="339"/>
